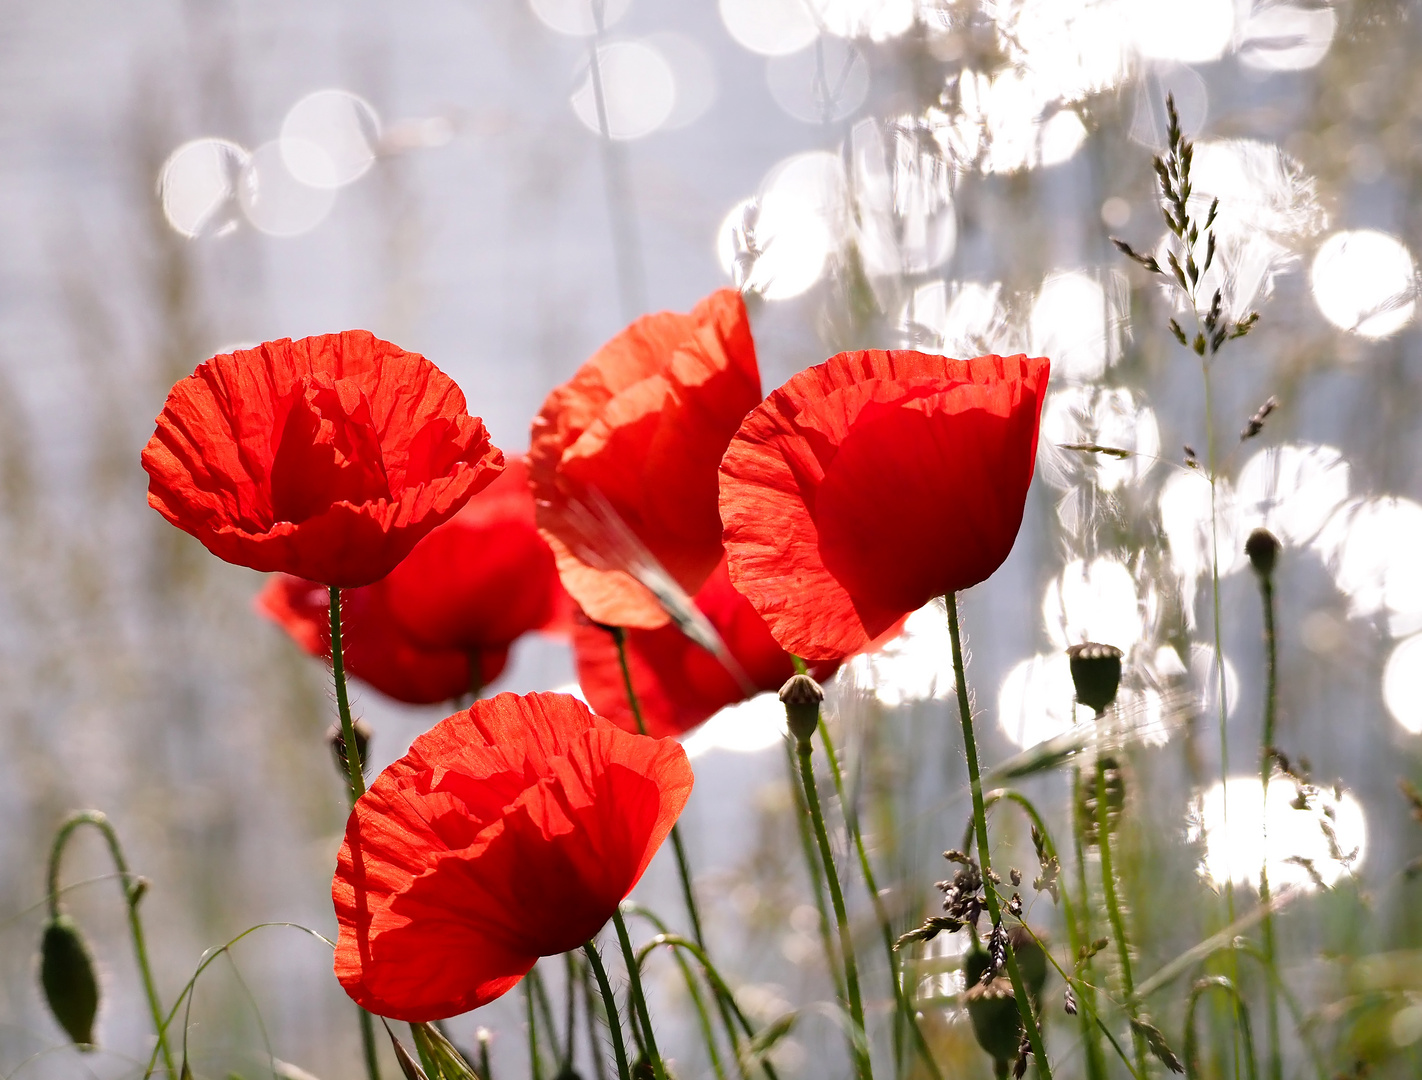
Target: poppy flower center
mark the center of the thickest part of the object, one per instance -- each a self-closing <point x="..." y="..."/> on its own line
<point x="326" y="452"/>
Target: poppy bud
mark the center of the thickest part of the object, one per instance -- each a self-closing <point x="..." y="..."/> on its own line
<point x="336" y="737"/>
<point x="642" y="1069"/>
<point x="802" y="696"/>
<point x="992" y="1005"/>
<point x="1115" y="798"/>
<point x="67" y="977"/>
<point x="1096" y="673"/>
<point x="1262" y="547"/>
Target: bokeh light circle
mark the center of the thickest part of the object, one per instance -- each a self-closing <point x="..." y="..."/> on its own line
<point x="1365" y="282"/>
<point x="1402" y="684"/>
<point x="638" y="88"/>
<point x="769" y="27"/>
<point x="329" y="138"/>
<point x="198" y="184"/>
<point x="575" y="17"/>
<point x="276" y="202"/>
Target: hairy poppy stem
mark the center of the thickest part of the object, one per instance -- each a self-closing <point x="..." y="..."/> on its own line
<point x="133" y="889"/>
<point x="804" y="751"/>
<point x="343" y="702"/>
<point x="535" y="1060"/>
<point x="354" y="768"/>
<point x="614" y="1025"/>
<point x="639" y="999"/>
<point x="970" y="749"/>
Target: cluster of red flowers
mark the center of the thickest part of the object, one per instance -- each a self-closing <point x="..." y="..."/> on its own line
<point x="666" y="496"/>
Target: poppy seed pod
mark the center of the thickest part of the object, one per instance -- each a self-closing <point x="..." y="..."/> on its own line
<point x="801" y="696"/>
<point x="992" y="1005"/>
<point x="1096" y="674"/>
<point x="67" y="977"/>
<point x="1262" y="547"/>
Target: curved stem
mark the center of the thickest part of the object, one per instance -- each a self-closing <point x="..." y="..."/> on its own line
<point x="1113" y="911"/>
<point x="902" y="1006"/>
<point x="639" y="999"/>
<point x="718" y="986"/>
<point x="1217" y="982"/>
<point x="614" y="1025"/>
<point x="133" y="890"/>
<point x="354" y="769"/>
<point x="804" y="751"/>
<point x="970" y="749"/>
<point x="683" y="868"/>
<point x="708" y="1034"/>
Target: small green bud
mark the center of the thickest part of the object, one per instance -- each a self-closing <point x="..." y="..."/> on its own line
<point x="1262" y="547"/>
<point x="1096" y="673"/>
<point x="801" y="697"/>
<point x="67" y="977"/>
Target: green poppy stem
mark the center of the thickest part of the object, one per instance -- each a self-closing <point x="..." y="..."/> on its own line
<point x="609" y="1001"/>
<point x="639" y="999"/>
<point x="804" y="750"/>
<point x="133" y="890"/>
<point x="1266" y="769"/>
<point x="970" y="749"/>
<point x="354" y="769"/>
<point x="683" y="867"/>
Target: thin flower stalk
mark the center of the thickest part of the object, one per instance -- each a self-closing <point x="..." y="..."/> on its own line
<point x="535" y="1059"/>
<point x="639" y="999"/>
<point x="812" y="866"/>
<point x="356" y="771"/>
<point x="1030" y="1021"/>
<point x="905" y="1014"/>
<point x="804" y="751"/>
<point x="1094" y="1056"/>
<point x="1114" y="914"/>
<point x="1266" y="769"/>
<point x="133" y="889"/>
<point x="683" y="867"/>
<point x="609" y="1001"/>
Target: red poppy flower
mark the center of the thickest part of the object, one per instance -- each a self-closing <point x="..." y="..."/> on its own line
<point x="441" y="623"/>
<point x="873" y="482"/>
<point x="678" y="683"/>
<point x="508" y="832"/>
<point x="327" y="458"/>
<point x="373" y="647"/>
<point x="642" y="426"/>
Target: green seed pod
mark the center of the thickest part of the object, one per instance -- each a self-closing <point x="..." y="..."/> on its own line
<point x="801" y="696"/>
<point x="1115" y="798"/>
<point x="1262" y="547"/>
<point x="992" y="1005"/>
<point x="68" y="980"/>
<point x="1096" y="673"/>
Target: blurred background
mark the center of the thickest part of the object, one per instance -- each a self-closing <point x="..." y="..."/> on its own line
<point x="182" y="178"/>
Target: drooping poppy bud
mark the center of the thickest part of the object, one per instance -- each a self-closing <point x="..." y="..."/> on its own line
<point x="1096" y="674"/>
<point x="67" y="977"/>
<point x="1262" y="547"/>
<point x="801" y="696"/>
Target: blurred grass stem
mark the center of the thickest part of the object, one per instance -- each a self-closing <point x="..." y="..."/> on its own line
<point x="1113" y="910"/>
<point x="354" y="770"/>
<point x="902" y="1008"/>
<point x="1266" y="768"/>
<point x="970" y="749"/>
<point x="133" y="889"/>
